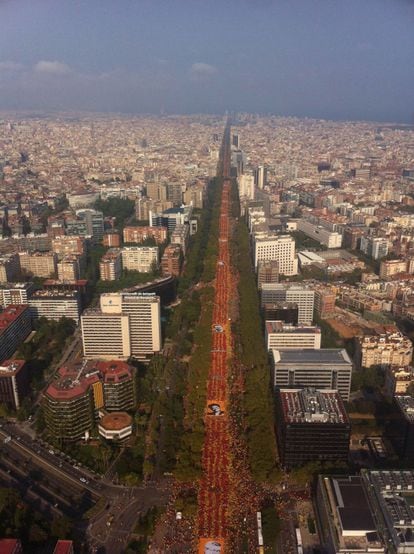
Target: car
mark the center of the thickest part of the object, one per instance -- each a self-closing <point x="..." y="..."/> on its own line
<point x="51" y="452"/>
<point x="83" y="480"/>
<point x="178" y="516"/>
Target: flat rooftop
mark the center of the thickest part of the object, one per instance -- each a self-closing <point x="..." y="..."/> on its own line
<point x="406" y="405"/>
<point x="281" y="327"/>
<point x="312" y="406"/>
<point x="302" y="356"/>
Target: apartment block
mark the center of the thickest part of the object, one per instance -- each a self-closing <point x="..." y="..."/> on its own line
<point x="140" y="258"/>
<point x="110" y="266"/>
<point x="69" y="268"/>
<point x="388" y="268"/>
<point x="384" y="349"/>
<point x="325" y="300"/>
<point x="65" y="244"/>
<point x="171" y="260"/>
<point x="141" y="234"/>
<point x="9" y="267"/>
<point x="39" y="264"/>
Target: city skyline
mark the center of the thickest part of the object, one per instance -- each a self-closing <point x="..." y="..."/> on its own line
<point x="319" y="60"/>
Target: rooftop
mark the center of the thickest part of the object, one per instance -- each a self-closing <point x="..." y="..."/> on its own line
<point x="10" y="314"/>
<point x="312" y="406"/>
<point x="406" y="404"/>
<point x="116" y="421"/>
<point x="74" y="380"/>
<point x="281" y="327"/>
<point x="324" y="356"/>
<point x="11" y="367"/>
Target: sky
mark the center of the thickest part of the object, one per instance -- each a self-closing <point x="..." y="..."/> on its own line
<point x="331" y="59"/>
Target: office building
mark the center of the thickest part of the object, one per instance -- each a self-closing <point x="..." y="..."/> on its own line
<point x="372" y="512"/>
<point x="312" y="425"/>
<point x="127" y="324"/>
<point x="326" y="368"/>
<point x="15" y="293"/>
<point x="281" y="311"/>
<point x="110" y="265"/>
<point x="330" y="239"/>
<point x="267" y="272"/>
<point x="117" y="379"/>
<point x="384" y="349"/>
<point x="55" y="304"/>
<point x="140" y="258"/>
<point x="345" y="516"/>
<point x="9" y="267"/>
<point x="171" y="260"/>
<point x="144" y="313"/>
<point x="116" y="426"/>
<point x="260" y="177"/>
<point x="14" y="383"/>
<point x="90" y="387"/>
<point x="87" y="223"/>
<point x="304" y="298"/>
<point x="401" y="427"/>
<point x="280" y="335"/>
<point x="170" y="218"/>
<point x="140" y="234"/>
<point x="15" y="326"/>
<point x="105" y="335"/>
<point x="39" y="264"/>
<point x="68" y="408"/>
<point x="280" y="248"/>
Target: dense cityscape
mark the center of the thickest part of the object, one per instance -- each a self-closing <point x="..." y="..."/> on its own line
<point x="185" y="327"/>
<point x="206" y="277"/>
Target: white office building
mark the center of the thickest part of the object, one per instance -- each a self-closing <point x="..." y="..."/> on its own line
<point x="327" y="368"/>
<point x="322" y="235"/>
<point x="304" y="298"/>
<point x="280" y="335"/>
<point x="280" y="248"/>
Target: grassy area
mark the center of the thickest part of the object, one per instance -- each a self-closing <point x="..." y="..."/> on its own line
<point x="127" y="280"/>
<point x="45" y="348"/>
<point x="271" y="526"/>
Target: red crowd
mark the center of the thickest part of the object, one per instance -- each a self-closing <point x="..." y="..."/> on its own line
<point x="213" y="496"/>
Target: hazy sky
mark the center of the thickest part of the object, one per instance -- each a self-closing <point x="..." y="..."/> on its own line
<point x="346" y="59"/>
